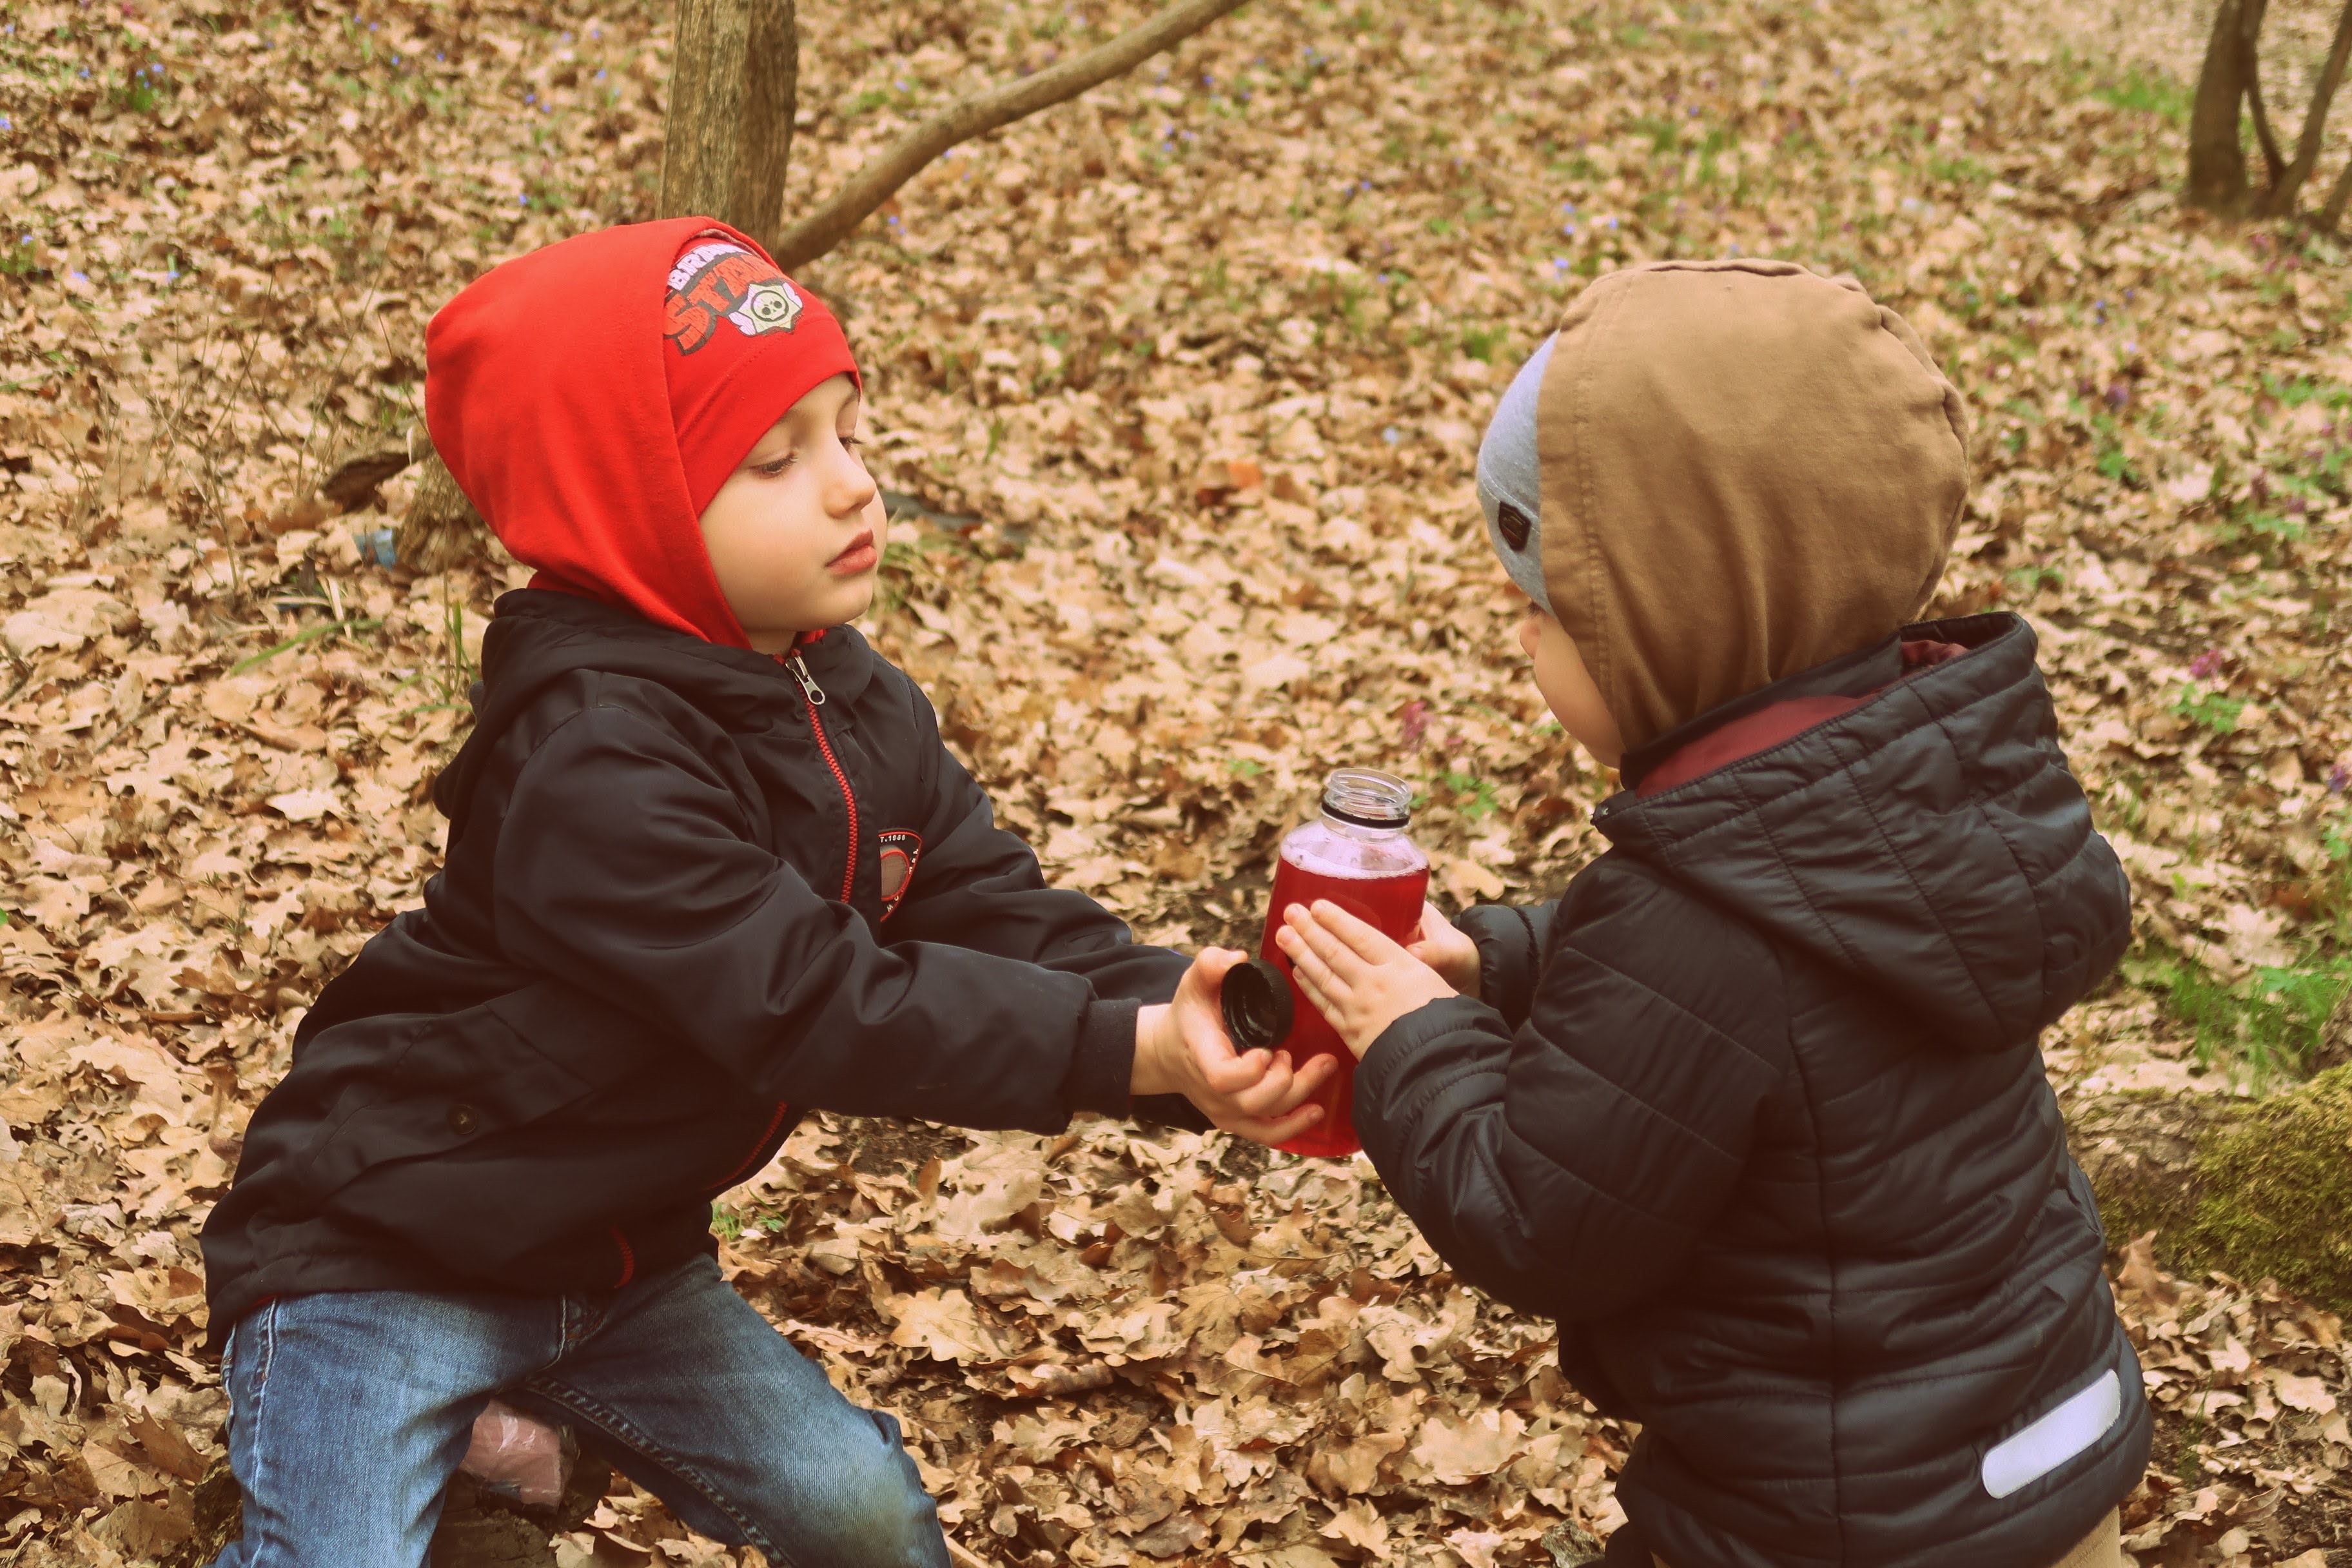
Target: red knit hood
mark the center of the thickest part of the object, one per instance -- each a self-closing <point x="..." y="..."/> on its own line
<point x="546" y="392"/>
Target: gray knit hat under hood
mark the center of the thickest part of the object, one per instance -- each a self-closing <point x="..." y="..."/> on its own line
<point x="1510" y="480"/>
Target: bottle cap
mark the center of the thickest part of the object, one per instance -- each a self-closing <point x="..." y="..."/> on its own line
<point x="1255" y="997"/>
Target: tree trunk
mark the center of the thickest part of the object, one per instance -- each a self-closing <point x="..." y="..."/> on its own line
<point x="2217" y="159"/>
<point x="440" y="529"/>
<point x="728" y="137"/>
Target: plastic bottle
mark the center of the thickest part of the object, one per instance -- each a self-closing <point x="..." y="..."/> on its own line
<point x="1357" y="856"/>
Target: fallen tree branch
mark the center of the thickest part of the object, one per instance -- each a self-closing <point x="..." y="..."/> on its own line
<point x="982" y="113"/>
<point x="2254" y="1188"/>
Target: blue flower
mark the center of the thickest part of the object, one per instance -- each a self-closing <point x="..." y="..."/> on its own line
<point x="78" y="277"/>
<point x="600" y="76"/>
<point x="7" y="125"/>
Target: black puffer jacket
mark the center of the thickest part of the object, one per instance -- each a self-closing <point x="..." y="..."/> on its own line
<point x="1758" y="1112"/>
<point x="660" y="935"/>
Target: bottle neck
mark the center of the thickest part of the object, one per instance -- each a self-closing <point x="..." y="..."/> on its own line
<point x="1359" y="832"/>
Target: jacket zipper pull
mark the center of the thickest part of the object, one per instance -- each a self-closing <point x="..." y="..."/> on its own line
<point x="809" y="688"/>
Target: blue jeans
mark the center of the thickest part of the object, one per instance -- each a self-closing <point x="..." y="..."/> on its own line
<point x="349" y="1412"/>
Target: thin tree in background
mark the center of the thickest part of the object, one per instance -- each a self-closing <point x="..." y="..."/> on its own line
<point x="2229" y="94"/>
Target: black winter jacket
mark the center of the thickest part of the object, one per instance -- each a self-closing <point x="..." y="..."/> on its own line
<point x="660" y="935"/>
<point x="1758" y="1112"/>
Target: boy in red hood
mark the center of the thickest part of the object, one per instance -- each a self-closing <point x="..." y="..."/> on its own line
<point x="709" y="867"/>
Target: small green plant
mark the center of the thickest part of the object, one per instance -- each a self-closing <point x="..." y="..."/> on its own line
<point x="2269" y="1024"/>
<point x="143" y="90"/>
<point x="309" y="634"/>
<point x="725" y="1222"/>
<point x="1480" y="343"/>
<point x="2296" y="391"/>
<point x="1481" y="803"/>
<point x="1243" y="768"/>
<point x="2149" y="94"/>
<point x="2215" y="711"/>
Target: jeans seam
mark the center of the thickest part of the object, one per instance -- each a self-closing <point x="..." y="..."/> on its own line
<point x="621" y="1429"/>
<point x="256" y="1449"/>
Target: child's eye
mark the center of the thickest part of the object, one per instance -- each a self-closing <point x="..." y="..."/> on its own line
<point x="775" y="467"/>
<point x="852" y="441"/>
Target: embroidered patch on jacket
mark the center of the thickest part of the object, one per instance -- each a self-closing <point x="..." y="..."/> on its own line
<point x="720" y="281"/>
<point x="901" y="848"/>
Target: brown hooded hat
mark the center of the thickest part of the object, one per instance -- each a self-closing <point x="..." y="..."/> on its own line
<point x="1746" y="469"/>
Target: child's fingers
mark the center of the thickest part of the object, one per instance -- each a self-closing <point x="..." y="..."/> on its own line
<point x="1434" y="927"/>
<point x="1310" y="1079"/>
<point x="1221" y="1069"/>
<point x="1364" y="940"/>
<point x="1281" y="1130"/>
<point x="1209" y="968"/>
<point x="1317" y="997"/>
<point x="1271" y="1094"/>
<point x="1335" y="957"/>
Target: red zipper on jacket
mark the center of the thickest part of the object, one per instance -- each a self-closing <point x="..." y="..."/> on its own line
<point x="628" y="1255"/>
<point x="813" y="695"/>
<point x="753" y="1161"/>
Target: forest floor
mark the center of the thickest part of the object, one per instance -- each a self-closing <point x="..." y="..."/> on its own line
<point x="1185" y="380"/>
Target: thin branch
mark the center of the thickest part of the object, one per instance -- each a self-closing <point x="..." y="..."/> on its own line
<point x="2287" y="190"/>
<point x="982" y="113"/>
<point x="2336" y="199"/>
<point x="2249" y="39"/>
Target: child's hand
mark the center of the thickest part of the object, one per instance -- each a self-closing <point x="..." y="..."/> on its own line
<point x="1357" y="978"/>
<point x="1447" y="950"/>
<point x="1180" y="1048"/>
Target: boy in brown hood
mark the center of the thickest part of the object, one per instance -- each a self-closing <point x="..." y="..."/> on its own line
<point x="1757" y="1109"/>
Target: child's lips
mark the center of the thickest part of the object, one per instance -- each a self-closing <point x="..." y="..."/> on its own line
<point x="859" y="557"/>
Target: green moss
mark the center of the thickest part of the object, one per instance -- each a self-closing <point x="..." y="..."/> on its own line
<point x="2273" y="1192"/>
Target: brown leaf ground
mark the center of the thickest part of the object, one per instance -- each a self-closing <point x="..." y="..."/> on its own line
<point x="1202" y="359"/>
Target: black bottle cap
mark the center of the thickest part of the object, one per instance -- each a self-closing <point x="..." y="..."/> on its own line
<point x="1256" y="1000"/>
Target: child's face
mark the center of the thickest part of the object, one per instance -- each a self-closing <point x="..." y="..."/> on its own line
<point x="1561" y="677"/>
<point x="796" y="531"/>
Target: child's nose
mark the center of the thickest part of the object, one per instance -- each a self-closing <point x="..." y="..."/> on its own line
<point x="851" y="489"/>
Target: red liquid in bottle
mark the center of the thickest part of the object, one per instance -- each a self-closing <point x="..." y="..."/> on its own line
<point x="1378" y="876"/>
